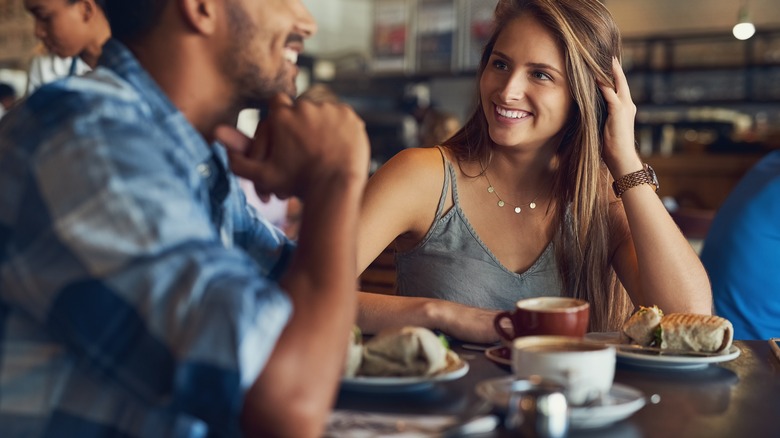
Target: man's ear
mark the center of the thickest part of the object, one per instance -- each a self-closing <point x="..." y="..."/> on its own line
<point x="201" y="15"/>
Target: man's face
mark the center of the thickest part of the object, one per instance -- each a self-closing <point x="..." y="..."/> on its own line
<point x="264" y="42"/>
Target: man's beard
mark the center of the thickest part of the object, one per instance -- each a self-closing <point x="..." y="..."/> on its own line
<point x="253" y="85"/>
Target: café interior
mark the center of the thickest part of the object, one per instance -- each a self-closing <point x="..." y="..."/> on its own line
<point x="708" y="100"/>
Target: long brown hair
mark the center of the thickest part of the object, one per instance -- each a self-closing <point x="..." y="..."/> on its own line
<point x="590" y="39"/>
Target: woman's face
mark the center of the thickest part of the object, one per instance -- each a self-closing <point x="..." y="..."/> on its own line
<point x="60" y="25"/>
<point x="524" y="88"/>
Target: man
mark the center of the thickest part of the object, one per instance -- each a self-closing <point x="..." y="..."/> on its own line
<point x="139" y="296"/>
<point x="742" y="250"/>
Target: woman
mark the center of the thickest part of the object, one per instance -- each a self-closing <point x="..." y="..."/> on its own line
<point x="519" y="202"/>
<point x="75" y="29"/>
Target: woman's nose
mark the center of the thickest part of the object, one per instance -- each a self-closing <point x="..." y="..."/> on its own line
<point x="514" y="88"/>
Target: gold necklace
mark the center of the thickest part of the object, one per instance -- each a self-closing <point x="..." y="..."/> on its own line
<point x="501" y="203"/>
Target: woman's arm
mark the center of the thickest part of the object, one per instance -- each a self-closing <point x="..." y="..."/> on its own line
<point x="401" y="200"/>
<point x="470" y="324"/>
<point x="652" y="258"/>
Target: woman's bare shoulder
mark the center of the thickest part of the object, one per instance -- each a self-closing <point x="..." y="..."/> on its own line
<point x="416" y="166"/>
<point x="404" y="193"/>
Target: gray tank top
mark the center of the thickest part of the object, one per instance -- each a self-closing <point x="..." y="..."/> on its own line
<point x="452" y="263"/>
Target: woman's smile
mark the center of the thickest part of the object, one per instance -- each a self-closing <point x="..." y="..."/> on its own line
<point x="507" y="114"/>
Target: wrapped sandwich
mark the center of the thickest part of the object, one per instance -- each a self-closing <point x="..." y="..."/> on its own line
<point x="640" y="327"/>
<point x="685" y="331"/>
<point x="408" y="351"/>
<point x="678" y="331"/>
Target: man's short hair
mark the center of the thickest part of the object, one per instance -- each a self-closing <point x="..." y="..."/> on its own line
<point x="7" y="91"/>
<point x="130" y="20"/>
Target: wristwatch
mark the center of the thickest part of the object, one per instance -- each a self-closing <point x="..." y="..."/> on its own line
<point x="633" y="179"/>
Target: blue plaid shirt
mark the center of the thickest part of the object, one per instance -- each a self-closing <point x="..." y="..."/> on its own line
<point x="137" y="289"/>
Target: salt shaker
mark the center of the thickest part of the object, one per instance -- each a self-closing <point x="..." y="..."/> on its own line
<point x="537" y="408"/>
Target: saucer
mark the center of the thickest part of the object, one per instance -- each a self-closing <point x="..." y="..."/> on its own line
<point x="500" y="355"/>
<point x="620" y="403"/>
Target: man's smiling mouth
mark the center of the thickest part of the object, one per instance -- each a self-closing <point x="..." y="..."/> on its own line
<point x="291" y="55"/>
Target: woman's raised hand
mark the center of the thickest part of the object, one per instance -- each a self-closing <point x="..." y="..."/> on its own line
<point x="620" y="152"/>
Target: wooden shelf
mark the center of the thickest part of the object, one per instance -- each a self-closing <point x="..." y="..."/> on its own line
<point x="701" y="181"/>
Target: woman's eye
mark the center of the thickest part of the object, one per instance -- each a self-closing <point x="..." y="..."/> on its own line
<point x="542" y="75"/>
<point x="501" y="65"/>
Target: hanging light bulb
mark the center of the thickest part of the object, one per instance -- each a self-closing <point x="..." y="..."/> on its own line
<point x="744" y="28"/>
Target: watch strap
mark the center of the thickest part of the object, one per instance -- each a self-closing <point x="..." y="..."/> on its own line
<point x="633" y="179"/>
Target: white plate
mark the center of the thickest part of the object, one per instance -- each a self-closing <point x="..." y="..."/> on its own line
<point x="621" y="402"/>
<point x="401" y="384"/>
<point x="663" y="361"/>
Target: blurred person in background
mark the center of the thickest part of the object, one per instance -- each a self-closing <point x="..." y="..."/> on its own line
<point x="138" y="295"/>
<point x="742" y="253"/>
<point x="518" y="203"/>
<point x="7" y="98"/>
<point x="437" y="126"/>
<point x="72" y="33"/>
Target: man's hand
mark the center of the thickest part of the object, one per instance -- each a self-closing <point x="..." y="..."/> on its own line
<point x="299" y="146"/>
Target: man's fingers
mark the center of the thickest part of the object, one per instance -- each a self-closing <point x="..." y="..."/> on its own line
<point x="279" y="100"/>
<point x="245" y="167"/>
<point x="232" y="139"/>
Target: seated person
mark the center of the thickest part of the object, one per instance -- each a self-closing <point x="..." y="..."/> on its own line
<point x="437" y="126"/>
<point x="518" y="203"/>
<point x="72" y="32"/>
<point x="741" y="253"/>
<point x="138" y="295"/>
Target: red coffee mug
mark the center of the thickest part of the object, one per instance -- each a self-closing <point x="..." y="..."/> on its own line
<point x="545" y="316"/>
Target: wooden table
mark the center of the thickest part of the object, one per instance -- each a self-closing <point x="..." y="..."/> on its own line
<point x="740" y="398"/>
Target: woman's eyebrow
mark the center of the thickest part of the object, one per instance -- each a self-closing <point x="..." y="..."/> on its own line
<point x="530" y="64"/>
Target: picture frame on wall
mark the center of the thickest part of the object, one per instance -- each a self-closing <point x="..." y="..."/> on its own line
<point x="436" y="36"/>
<point x="393" y="44"/>
<point x="475" y="26"/>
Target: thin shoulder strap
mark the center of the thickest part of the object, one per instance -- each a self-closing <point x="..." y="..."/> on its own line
<point x="448" y="171"/>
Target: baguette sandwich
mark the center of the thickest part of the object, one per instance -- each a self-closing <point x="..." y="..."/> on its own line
<point x="649" y="327"/>
<point x="685" y="331"/>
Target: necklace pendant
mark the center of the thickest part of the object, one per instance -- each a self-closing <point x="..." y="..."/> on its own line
<point x="517" y="210"/>
<point x="491" y="189"/>
<point x="532" y="205"/>
<point x="500" y="203"/>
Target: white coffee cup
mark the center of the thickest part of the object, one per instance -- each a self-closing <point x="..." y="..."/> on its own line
<point x="585" y="369"/>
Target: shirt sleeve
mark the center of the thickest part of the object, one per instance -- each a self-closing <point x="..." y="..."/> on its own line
<point x="120" y="259"/>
